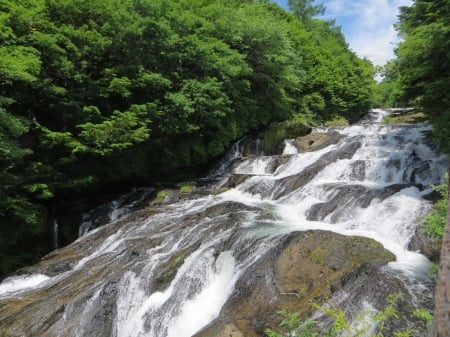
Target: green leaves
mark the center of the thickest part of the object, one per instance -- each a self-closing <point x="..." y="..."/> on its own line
<point x="423" y="62"/>
<point x="113" y="91"/>
<point x="120" y="86"/>
<point x="19" y="63"/>
<point x="200" y="105"/>
<point x="120" y="131"/>
<point x="435" y="220"/>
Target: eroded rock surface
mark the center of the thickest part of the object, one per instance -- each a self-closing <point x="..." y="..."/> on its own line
<point x="317" y="141"/>
<point x="304" y="268"/>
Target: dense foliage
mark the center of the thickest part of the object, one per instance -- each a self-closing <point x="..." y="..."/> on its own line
<point x="420" y="75"/>
<point x="435" y="220"/>
<point x="96" y="93"/>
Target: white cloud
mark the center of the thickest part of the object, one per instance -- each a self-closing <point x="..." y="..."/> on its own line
<point x="368" y="25"/>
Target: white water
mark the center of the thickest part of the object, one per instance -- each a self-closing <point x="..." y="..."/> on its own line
<point x="14" y="285"/>
<point x="289" y="147"/>
<point x="389" y="154"/>
<point x="213" y="254"/>
<point x="206" y="305"/>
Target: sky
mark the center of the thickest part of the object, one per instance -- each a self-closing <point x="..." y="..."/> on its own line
<point x="368" y="25"/>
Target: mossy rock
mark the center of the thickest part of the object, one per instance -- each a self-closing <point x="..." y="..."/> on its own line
<point x="187" y="188"/>
<point x="161" y="196"/>
<point x="303" y="268"/>
<point x="171" y="267"/>
<point x="221" y="190"/>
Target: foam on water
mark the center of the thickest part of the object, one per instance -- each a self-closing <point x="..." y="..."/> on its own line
<point x="13" y="285"/>
<point x="206" y="305"/>
<point x="289" y="147"/>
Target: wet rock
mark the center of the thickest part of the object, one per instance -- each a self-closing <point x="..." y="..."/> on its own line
<point x="346" y="197"/>
<point x="291" y="183"/>
<point x="368" y="291"/>
<point x="221" y="330"/>
<point x="430" y="247"/>
<point x="358" y="170"/>
<point x="433" y="196"/>
<point x="302" y="268"/>
<point x="235" y="179"/>
<point x="252" y="146"/>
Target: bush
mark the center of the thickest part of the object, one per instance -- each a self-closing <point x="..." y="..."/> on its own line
<point x="435" y="220"/>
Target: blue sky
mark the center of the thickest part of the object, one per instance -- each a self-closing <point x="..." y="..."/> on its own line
<point x="366" y="24"/>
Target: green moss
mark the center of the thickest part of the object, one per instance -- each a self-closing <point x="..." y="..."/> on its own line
<point x="161" y="196"/>
<point x="172" y="267"/>
<point x="187" y="188"/>
<point x="318" y="255"/>
<point x="221" y="190"/>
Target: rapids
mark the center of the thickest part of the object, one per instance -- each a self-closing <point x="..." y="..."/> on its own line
<point x="166" y="269"/>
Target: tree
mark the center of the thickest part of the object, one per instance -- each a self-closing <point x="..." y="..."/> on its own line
<point x="305" y="10"/>
<point x="423" y="65"/>
<point x="97" y="94"/>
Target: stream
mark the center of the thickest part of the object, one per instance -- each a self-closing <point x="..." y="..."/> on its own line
<point x="170" y="268"/>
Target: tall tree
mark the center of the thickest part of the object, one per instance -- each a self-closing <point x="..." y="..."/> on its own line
<point x="305" y="10"/>
<point x="423" y="59"/>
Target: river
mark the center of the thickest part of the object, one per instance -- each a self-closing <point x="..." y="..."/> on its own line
<point x="167" y="269"/>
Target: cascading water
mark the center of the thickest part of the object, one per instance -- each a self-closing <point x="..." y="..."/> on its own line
<point x="169" y="270"/>
<point x="114" y="210"/>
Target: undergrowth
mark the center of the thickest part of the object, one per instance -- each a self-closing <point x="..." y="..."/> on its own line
<point x="435" y="219"/>
<point x="292" y="325"/>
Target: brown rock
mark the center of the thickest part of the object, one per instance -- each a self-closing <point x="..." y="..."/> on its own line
<point x="303" y="268"/>
<point x="317" y="141"/>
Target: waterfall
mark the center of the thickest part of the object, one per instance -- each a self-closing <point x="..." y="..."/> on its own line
<point x="289" y="147"/>
<point x="114" y="210"/>
<point x="54" y="234"/>
<point x="169" y="270"/>
<point x="259" y="151"/>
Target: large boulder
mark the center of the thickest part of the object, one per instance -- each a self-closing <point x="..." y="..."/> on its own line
<point x="304" y="268"/>
<point x="430" y="247"/>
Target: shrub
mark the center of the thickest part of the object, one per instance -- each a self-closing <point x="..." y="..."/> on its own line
<point x="435" y="219"/>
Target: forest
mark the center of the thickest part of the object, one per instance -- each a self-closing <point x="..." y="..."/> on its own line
<point x="103" y="95"/>
<point x="419" y="76"/>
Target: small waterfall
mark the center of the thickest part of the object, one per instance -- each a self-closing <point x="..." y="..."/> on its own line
<point x="289" y="147"/>
<point x="52" y="229"/>
<point x="259" y="150"/>
<point x="227" y="161"/>
<point x="85" y="226"/>
<point x="169" y="270"/>
<point x="114" y="210"/>
<point x="54" y="234"/>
